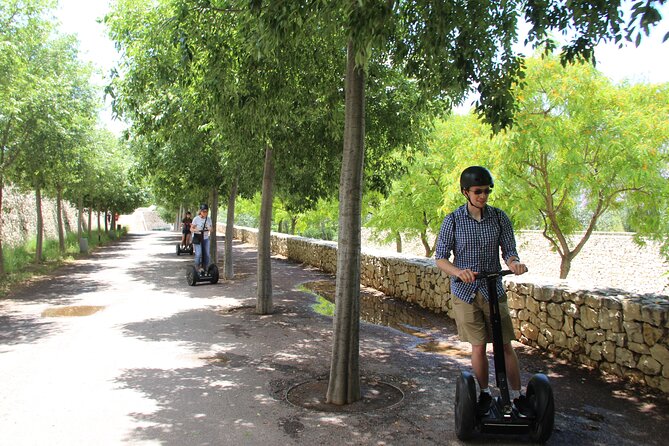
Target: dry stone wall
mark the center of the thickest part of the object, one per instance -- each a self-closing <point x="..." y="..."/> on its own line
<point x="19" y="217"/>
<point x="617" y="333"/>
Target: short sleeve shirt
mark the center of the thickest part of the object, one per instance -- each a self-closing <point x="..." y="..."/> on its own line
<point x="199" y="221"/>
<point x="476" y="245"/>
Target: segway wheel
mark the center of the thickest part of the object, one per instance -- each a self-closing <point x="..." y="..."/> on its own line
<point x="190" y="249"/>
<point x="212" y="271"/>
<point x="540" y="395"/>
<point x="191" y="276"/>
<point x="178" y="249"/>
<point x="465" y="406"/>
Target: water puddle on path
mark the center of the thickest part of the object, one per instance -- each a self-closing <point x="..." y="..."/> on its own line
<point x="71" y="311"/>
<point x="379" y="309"/>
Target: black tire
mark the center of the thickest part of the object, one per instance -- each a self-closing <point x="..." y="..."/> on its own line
<point x="191" y="275"/>
<point x="212" y="271"/>
<point x="178" y="249"/>
<point x="465" y="406"/>
<point x="540" y="395"/>
<point x="190" y="249"/>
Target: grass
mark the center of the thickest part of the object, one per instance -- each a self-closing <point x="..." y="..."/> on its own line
<point x="322" y="305"/>
<point x="19" y="261"/>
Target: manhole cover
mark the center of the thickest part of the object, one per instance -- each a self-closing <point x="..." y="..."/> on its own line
<point x="84" y="310"/>
<point x="375" y="395"/>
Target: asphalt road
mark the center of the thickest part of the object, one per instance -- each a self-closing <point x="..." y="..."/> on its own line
<point x="118" y="349"/>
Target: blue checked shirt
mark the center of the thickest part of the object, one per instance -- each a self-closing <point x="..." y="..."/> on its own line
<point x="476" y="246"/>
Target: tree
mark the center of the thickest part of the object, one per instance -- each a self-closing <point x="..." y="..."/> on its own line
<point x="23" y="29"/>
<point x="584" y="147"/>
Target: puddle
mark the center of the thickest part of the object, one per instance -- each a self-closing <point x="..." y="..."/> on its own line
<point x="82" y="310"/>
<point x="379" y="309"/>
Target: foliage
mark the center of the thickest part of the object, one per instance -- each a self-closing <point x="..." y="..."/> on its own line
<point x="584" y="147"/>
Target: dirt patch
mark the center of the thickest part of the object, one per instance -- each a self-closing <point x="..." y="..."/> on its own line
<point x="442" y="348"/>
<point x="375" y="395"/>
<point x="72" y="311"/>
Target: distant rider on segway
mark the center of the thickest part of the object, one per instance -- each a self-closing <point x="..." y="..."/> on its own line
<point x="474" y="234"/>
<point x="185" y="230"/>
<point x="200" y="228"/>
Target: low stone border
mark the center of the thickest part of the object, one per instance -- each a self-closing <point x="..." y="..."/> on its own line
<point x="616" y="333"/>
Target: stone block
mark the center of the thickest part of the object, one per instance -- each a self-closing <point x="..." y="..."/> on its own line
<point x="633" y="330"/>
<point x="555" y="311"/>
<point x="649" y="366"/>
<point x="595" y="336"/>
<point x="544" y="293"/>
<point x="515" y="301"/>
<point x="612" y="369"/>
<point x="609" y="351"/>
<point x="617" y="338"/>
<point x="529" y="330"/>
<point x="625" y="358"/>
<point x="661" y="354"/>
<point x="631" y="310"/>
<point x="532" y="305"/>
<point x="554" y="323"/>
<point x="653" y="314"/>
<point x="611" y="320"/>
<point x="589" y="317"/>
<point x="593" y="301"/>
<point x="652" y="334"/>
<point x="568" y="326"/>
<point x="571" y="309"/>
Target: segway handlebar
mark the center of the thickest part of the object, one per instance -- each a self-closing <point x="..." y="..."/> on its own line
<point x="486" y="275"/>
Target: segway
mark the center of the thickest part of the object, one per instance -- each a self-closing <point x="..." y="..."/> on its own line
<point x="503" y="417"/>
<point x="193" y="274"/>
<point x="187" y="249"/>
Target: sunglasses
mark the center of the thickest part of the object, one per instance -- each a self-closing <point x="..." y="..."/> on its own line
<point x="486" y="191"/>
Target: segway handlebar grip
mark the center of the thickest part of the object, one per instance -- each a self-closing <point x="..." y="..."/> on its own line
<point x="485" y="275"/>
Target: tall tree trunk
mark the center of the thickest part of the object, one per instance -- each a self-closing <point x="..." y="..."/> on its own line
<point x="229" y="232"/>
<point x="99" y="226"/>
<point x="293" y="224"/>
<point x="177" y="220"/>
<point x="565" y="265"/>
<point x="398" y="241"/>
<point x="264" y="304"/>
<point x="344" y="383"/>
<point x="3" y="146"/>
<point x="90" y="222"/>
<point x="80" y="219"/>
<point x="59" y="219"/>
<point x="40" y="226"/>
<point x="2" y="223"/>
<point x="213" y="243"/>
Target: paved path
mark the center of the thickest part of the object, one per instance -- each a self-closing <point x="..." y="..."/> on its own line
<point x="162" y="363"/>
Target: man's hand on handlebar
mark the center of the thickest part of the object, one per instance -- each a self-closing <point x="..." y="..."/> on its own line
<point x="466" y="275"/>
<point x="517" y="268"/>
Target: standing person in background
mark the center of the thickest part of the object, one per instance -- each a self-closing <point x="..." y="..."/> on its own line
<point x="200" y="228"/>
<point x="474" y="233"/>
<point x="185" y="230"/>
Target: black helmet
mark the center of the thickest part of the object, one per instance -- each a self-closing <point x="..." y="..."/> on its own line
<point x="475" y="176"/>
<point x="204" y="207"/>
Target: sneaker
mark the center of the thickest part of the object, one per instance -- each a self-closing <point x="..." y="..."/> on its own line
<point x="483" y="406"/>
<point x="523" y="406"/>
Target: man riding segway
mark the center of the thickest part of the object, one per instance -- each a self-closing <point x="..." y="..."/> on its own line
<point x="474" y="233"/>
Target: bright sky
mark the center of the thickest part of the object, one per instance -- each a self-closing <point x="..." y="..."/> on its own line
<point x="648" y="63"/>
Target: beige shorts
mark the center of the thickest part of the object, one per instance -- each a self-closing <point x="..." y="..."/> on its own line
<point x="473" y="321"/>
